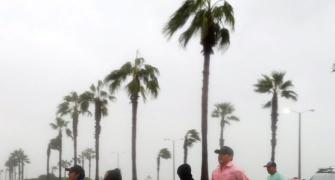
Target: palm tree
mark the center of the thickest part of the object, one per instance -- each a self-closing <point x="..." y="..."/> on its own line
<point x="165" y="154"/>
<point x="224" y="111"/>
<point x="334" y="67"/>
<point x="65" y="164"/>
<point x="190" y="138"/>
<point x="22" y="160"/>
<point x="53" y="144"/>
<point x="89" y="154"/>
<point x="275" y="85"/>
<point x="60" y="125"/>
<point x="208" y="20"/>
<point x="99" y="97"/>
<point x="71" y="106"/>
<point x="143" y="81"/>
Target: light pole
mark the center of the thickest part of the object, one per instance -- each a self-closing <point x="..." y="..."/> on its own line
<point x="299" y="135"/>
<point x="118" y="158"/>
<point x="173" y="157"/>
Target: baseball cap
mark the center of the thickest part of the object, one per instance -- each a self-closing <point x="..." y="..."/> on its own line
<point x="270" y="164"/>
<point x="78" y="169"/>
<point x="225" y="150"/>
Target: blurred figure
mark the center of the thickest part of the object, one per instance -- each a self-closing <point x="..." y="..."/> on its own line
<point x="271" y="167"/>
<point x="114" y="174"/>
<point x="227" y="169"/>
<point x="184" y="172"/>
<point x="76" y="173"/>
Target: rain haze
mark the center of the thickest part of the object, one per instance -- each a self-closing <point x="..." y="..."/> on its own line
<point x="51" y="48"/>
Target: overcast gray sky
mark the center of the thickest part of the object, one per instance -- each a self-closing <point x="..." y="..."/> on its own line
<point x="50" y="48"/>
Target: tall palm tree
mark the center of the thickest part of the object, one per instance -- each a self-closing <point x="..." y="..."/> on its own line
<point x="208" y="19"/>
<point x="224" y="111"/>
<point x="100" y="98"/>
<point x="334" y="67"/>
<point x="191" y="137"/>
<point x="61" y="125"/>
<point x="71" y="106"/>
<point x="143" y="81"/>
<point x="89" y="154"/>
<point x="276" y="86"/>
<point x="164" y="154"/>
<point x="54" y="144"/>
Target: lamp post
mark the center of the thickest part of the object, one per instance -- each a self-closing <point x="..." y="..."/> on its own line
<point x="299" y="137"/>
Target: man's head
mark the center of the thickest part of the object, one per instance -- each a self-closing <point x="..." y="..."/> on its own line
<point x="271" y="167"/>
<point x="76" y="173"/>
<point x="225" y="155"/>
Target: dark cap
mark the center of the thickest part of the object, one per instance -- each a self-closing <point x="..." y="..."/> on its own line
<point x="225" y="150"/>
<point x="270" y="164"/>
<point x="77" y="169"/>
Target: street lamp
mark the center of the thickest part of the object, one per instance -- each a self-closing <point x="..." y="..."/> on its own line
<point x="299" y="135"/>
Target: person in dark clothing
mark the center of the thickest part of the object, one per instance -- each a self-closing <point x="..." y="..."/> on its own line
<point x="76" y="173"/>
<point x="114" y="174"/>
<point x="184" y="172"/>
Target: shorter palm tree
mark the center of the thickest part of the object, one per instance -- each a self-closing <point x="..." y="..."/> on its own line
<point x="54" y="144"/>
<point x="224" y="111"/>
<point x="89" y="154"/>
<point x="164" y="154"/>
<point x="61" y="125"/>
<point x="100" y="98"/>
<point x="276" y="86"/>
<point x="190" y="138"/>
<point x="334" y="67"/>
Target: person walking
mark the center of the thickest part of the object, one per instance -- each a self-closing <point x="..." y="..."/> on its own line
<point x="271" y="167"/>
<point x="227" y="170"/>
<point x="184" y="172"/>
<point x="76" y="173"/>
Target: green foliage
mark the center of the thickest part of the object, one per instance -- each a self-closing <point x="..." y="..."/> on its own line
<point x="164" y="154"/>
<point x="207" y="19"/>
<point x="191" y="137"/>
<point x="275" y="84"/>
<point x="224" y="111"/>
<point x="143" y="79"/>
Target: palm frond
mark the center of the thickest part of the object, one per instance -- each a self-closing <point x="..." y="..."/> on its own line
<point x="224" y="38"/>
<point x="264" y="85"/>
<point x="195" y="26"/>
<point x="233" y="118"/>
<point x="267" y="105"/>
<point x="180" y="17"/>
<point x="286" y="85"/>
<point x="289" y="95"/>
<point x="278" y="78"/>
<point x="68" y="132"/>
<point x="164" y="153"/>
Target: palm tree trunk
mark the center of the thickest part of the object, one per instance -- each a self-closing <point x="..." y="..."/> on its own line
<point x="158" y="164"/>
<point x="48" y="162"/>
<point x="97" y="136"/>
<point x="89" y="168"/>
<point x="134" y="102"/>
<point x="204" y="112"/>
<point x="185" y="149"/>
<point x="22" y="172"/>
<point x="75" y="135"/>
<point x="60" y="156"/>
<point x="274" y="120"/>
<point x="221" y="133"/>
